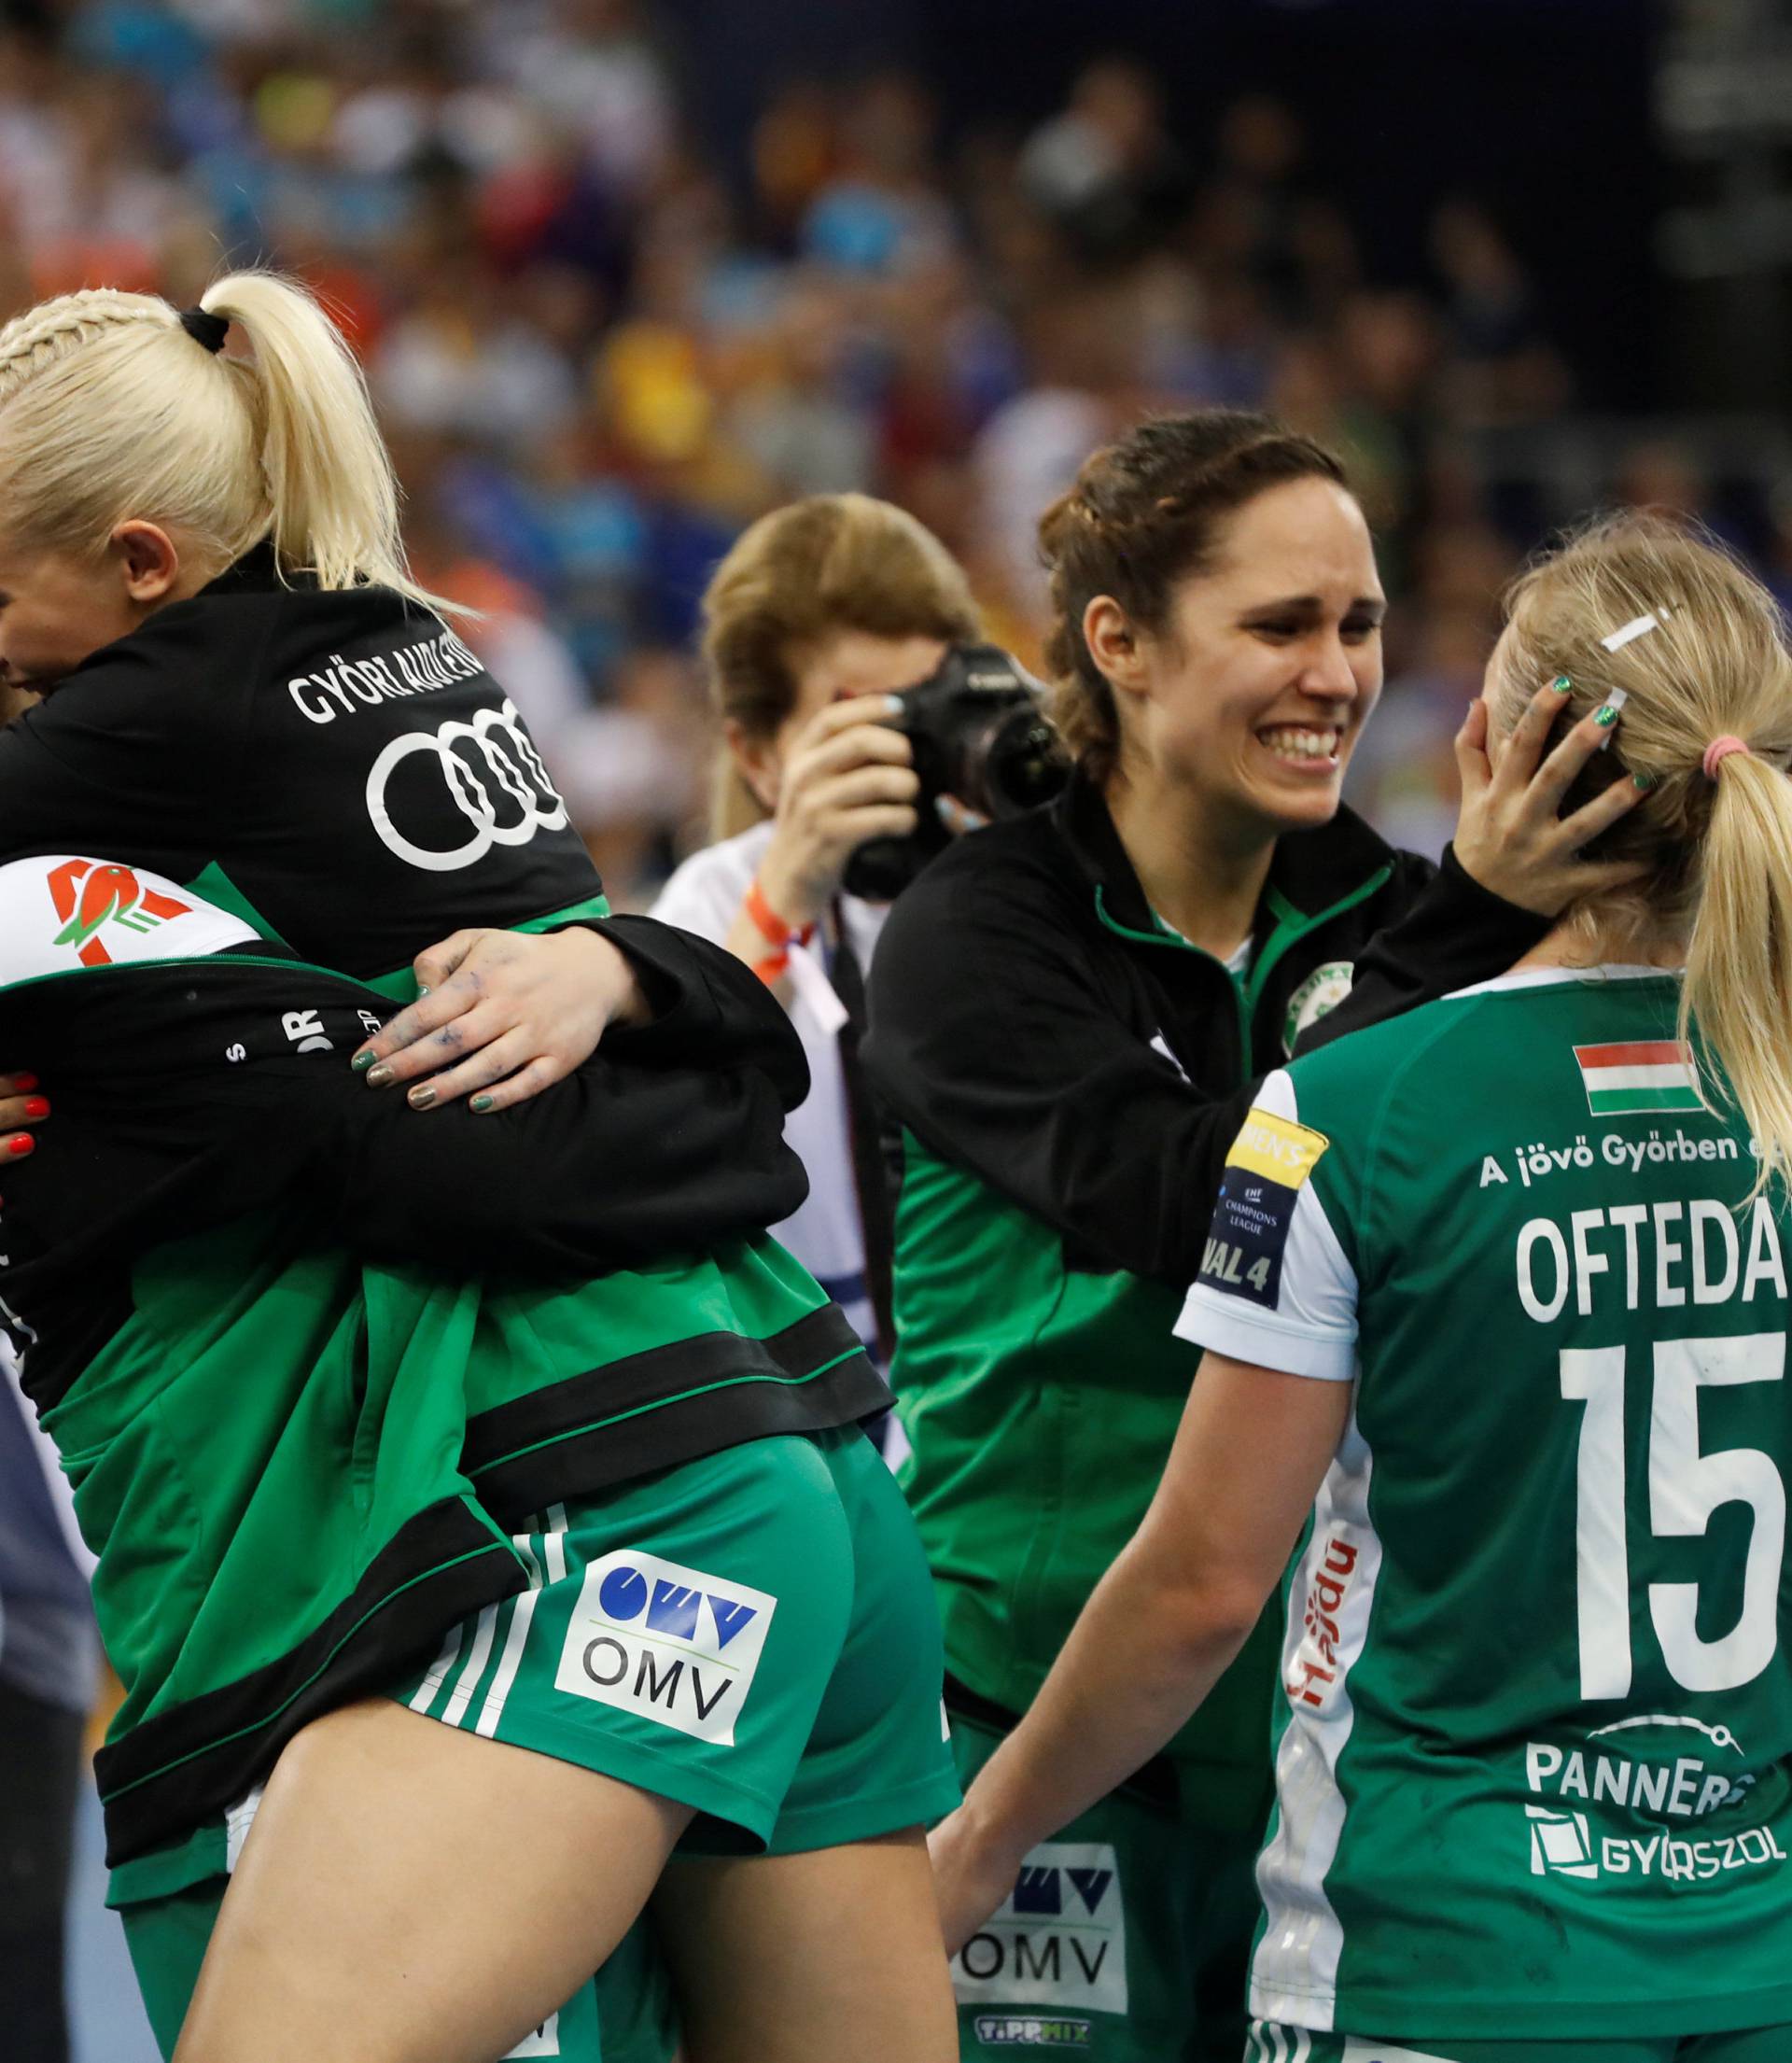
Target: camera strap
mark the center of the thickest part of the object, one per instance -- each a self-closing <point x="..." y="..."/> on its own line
<point x="864" y="1126"/>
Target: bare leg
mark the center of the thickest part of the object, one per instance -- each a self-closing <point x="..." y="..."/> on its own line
<point x="410" y="1893"/>
<point x="811" y="1957"/>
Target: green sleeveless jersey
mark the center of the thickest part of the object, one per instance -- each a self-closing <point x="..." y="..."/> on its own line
<point x="1534" y="1737"/>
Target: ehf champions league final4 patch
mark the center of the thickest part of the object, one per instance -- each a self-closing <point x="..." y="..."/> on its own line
<point x="1270" y="1160"/>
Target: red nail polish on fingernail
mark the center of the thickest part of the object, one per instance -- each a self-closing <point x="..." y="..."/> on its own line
<point x="21" y="1143"/>
<point x="23" y="1084"/>
<point x="36" y="1106"/>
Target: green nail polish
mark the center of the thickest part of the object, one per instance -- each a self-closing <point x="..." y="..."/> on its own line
<point x="482" y="1103"/>
<point x="1562" y="685"/>
<point x="424" y="990"/>
<point x="378" y="1078"/>
<point x="1645" y="781"/>
<point x="1606" y="717"/>
<point x="362" y="1062"/>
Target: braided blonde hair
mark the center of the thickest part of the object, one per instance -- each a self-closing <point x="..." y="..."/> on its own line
<point x="1715" y="849"/>
<point x="109" y="410"/>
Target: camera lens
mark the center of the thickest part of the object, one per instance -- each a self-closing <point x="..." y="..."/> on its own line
<point x="1016" y="764"/>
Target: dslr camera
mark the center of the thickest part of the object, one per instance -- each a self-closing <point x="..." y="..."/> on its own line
<point x="978" y="731"/>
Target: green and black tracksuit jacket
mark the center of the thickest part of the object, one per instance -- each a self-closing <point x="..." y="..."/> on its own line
<point x="1068" y="1073"/>
<point x="310" y="1356"/>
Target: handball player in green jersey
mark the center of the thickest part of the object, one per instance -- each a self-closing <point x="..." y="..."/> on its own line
<point x="1070" y="1011"/>
<point x="693" y="1612"/>
<point x="1494" y="1305"/>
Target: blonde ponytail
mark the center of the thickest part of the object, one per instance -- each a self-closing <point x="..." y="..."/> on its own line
<point x="1739" y="959"/>
<point x="1699" y="656"/>
<point x="109" y="409"/>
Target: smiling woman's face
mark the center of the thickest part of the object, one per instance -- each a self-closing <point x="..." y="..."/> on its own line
<point x="1269" y="662"/>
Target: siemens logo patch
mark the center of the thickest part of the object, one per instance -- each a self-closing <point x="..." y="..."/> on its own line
<point x="1269" y="1162"/>
<point x="1057" y="1942"/>
<point x="669" y="1643"/>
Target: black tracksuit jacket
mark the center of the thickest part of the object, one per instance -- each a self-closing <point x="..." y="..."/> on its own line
<point x="1069" y="1075"/>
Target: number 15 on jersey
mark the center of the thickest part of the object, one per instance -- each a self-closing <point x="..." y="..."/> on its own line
<point x="1685" y="1487"/>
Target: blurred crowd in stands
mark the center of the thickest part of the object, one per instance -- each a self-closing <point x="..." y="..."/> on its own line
<point x="599" y="352"/>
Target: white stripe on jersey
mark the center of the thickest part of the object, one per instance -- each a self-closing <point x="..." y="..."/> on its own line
<point x="455" y="1708"/>
<point x="439" y="1668"/>
<point x="1293" y="1973"/>
<point x="517" y="1638"/>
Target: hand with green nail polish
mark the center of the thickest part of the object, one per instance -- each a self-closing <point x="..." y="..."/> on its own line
<point x="503" y="1013"/>
<point x="1512" y="836"/>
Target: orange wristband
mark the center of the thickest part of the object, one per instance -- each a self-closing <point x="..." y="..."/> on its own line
<point x="770" y="926"/>
<point x="772" y="968"/>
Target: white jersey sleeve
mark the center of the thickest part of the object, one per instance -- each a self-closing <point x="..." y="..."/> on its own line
<point x="1276" y="1287"/>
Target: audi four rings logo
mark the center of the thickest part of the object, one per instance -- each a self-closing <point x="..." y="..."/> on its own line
<point x="494" y="777"/>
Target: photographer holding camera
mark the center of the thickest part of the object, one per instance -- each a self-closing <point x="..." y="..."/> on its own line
<point x="1069" y="1010"/>
<point x="838" y="639"/>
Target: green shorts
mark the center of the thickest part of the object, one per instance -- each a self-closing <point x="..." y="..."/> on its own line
<point x="754" y="1634"/>
<point x="1270" y="2043"/>
<point x="1124" y="1941"/>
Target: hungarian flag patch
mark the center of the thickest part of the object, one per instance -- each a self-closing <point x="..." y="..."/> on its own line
<point x="1638" y="1075"/>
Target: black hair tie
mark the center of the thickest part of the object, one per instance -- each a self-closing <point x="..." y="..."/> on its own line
<point x="205" y="327"/>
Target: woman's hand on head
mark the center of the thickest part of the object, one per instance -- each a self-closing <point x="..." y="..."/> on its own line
<point x="1510" y="834"/>
<point x="502" y="1015"/>
<point x="849" y="776"/>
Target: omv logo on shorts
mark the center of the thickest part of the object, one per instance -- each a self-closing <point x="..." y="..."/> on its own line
<point x="669" y="1643"/>
<point x="1055" y="1944"/>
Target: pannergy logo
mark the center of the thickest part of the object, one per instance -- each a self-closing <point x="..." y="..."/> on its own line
<point x="88" y="895"/>
<point x="667" y="1643"/>
<point x="1667" y="1806"/>
<point x="1014" y="2031"/>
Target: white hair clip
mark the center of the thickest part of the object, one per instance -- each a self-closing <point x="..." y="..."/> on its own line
<point x="1638" y="626"/>
<point x="1627" y="634"/>
<point x="1615" y="702"/>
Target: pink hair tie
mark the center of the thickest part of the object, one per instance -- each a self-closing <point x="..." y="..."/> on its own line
<point x="1718" y="751"/>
